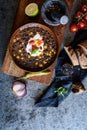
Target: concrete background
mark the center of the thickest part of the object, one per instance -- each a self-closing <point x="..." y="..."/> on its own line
<point x="19" y="114"/>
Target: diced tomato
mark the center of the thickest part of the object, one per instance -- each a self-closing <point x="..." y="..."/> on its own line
<point x="31" y="42"/>
<point x="33" y="47"/>
<point x="40" y="42"/>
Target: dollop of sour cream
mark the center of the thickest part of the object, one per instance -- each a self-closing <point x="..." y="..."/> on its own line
<point x="35" y="45"/>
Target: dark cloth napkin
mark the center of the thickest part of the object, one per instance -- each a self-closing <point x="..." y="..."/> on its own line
<point x="80" y="36"/>
<point x="65" y="75"/>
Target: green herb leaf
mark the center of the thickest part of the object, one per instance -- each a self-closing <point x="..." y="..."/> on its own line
<point x="34" y="51"/>
<point x="61" y="91"/>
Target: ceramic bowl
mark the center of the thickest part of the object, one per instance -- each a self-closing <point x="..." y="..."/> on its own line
<point x="53" y="10"/>
<point x="19" y="41"/>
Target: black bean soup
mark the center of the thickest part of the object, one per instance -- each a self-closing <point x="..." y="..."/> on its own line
<point x="25" y="60"/>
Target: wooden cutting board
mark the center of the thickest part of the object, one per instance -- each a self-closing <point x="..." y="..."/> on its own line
<point x="9" y="67"/>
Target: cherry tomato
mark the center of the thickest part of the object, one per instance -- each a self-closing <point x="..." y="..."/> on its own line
<point x="73" y="28"/>
<point x="78" y="14"/>
<point x="85" y="17"/>
<point x="84" y="8"/>
<point x="82" y="24"/>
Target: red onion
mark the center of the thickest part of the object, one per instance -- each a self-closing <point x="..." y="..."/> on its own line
<point x="19" y="89"/>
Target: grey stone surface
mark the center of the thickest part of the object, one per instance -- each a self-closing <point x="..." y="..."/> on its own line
<point x="18" y="114"/>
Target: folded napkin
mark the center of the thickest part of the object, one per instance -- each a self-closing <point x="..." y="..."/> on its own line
<point x="65" y="76"/>
<point x="80" y="36"/>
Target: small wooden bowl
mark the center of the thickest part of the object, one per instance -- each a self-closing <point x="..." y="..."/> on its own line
<point x="24" y="65"/>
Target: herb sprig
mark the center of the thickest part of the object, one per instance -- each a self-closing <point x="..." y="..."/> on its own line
<point x="61" y="91"/>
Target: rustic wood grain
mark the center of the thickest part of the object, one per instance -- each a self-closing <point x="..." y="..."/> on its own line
<point x="9" y="67"/>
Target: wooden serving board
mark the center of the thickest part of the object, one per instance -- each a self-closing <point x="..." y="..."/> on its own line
<point x="9" y="67"/>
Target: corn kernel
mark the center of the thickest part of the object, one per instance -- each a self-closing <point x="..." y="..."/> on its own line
<point x="22" y="43"/>
<point x="45" y="47"/>
<point x="21" y="54"/>
<point x="22" y="58"/>
<point x="28" y="57"/>
<point x="14" y="55"/>
<point x="40" y="65"/>
<point x="36" y="63"/>
<point x="14" y="40"/>
<point x="17" y="57"/>
<point x="19" y="51"/>
<point x="30" y="33"/>
<point x="44" y="62"/>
